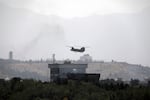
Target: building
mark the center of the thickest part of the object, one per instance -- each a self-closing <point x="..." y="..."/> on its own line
<point x="69" y="71"/>
<point x="86" y="58"/>
<point x="88" y="77"/>
<point x="61" y="70"/>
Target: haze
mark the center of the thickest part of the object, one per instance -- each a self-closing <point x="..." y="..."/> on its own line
<point x="113" y="29"/>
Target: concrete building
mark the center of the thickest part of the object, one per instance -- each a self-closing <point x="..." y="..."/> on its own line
<point x="61" y="70"/>
<point x="86" y="58"/>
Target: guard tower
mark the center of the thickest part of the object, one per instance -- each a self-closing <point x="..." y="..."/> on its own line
<point x="10" y="55"/>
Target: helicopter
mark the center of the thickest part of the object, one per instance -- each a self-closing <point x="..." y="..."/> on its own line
<point x="81" y="50"/>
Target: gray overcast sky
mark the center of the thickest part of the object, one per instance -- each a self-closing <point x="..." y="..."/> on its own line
<point x="114" y="29"/>
<point x="79" y="8"/>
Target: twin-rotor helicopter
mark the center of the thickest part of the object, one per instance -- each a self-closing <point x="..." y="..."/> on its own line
<point x="81" y="49"/>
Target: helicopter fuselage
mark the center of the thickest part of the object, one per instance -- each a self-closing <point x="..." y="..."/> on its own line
<point x="78" y="50"/>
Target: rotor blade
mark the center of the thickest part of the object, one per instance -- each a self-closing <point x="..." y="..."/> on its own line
<point x="69" y="46"/>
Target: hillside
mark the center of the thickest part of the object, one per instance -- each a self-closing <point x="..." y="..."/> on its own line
<point x="121" y="70"/>
<point x="108" y="70"/>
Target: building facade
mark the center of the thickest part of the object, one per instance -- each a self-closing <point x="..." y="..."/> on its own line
<point x="61" y="70"/>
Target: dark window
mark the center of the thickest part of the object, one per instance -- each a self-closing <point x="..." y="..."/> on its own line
<point x="54" y="70"/>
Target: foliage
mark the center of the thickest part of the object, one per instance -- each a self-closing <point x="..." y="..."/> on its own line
<point x="18" y="89"/>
